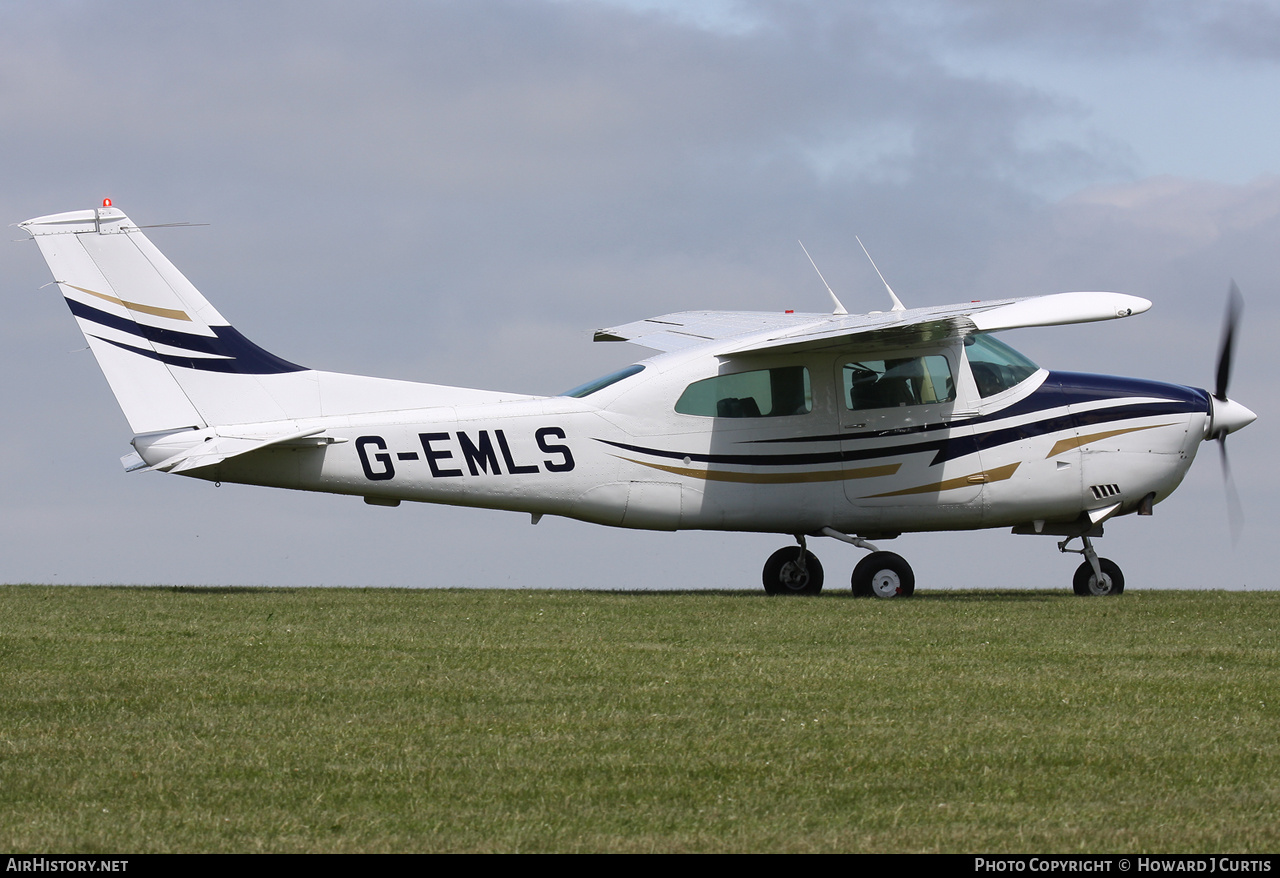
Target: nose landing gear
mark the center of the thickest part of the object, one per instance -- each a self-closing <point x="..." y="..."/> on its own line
<point x="1096" y="576"/>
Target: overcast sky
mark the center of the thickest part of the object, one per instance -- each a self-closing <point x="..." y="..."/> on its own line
<point x="461" y="192"/>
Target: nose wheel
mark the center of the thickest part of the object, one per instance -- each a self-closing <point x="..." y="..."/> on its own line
<point x="1087" y="583"/>
<point x="1096" y="577"/>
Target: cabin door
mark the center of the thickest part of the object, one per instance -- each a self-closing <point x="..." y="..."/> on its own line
<point x="905" y="439"/>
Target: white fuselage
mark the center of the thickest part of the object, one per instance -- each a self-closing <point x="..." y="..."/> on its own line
<point x="1052" y="448"/>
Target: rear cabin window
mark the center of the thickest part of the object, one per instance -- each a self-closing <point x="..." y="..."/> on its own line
<point x="898" y="381"/>
<point x="765" y="393"/>
<point x="995" y="366"/>
<point x="601" y="383"/>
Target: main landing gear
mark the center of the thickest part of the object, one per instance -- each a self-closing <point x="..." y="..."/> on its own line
<point x="793" y="571"/>
<point x="797" y="571"/>
<point x="1096" y="576"/>
<point x="883" y="575"/>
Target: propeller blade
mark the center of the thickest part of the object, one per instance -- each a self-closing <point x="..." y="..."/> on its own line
<point x="1231" y="414"/>
<point x="1235" y="304"/>
<point x="1235" y="511"/>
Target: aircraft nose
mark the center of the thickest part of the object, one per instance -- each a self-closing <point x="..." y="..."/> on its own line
<point x="1229" y="416"/>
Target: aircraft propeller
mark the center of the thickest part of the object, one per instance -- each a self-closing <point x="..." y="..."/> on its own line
<point x="1229" y="416"/>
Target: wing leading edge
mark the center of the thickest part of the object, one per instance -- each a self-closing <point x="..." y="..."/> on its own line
<point x="745" y="332"/>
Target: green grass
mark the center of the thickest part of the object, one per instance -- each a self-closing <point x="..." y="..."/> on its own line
<point x="155" y="719"/>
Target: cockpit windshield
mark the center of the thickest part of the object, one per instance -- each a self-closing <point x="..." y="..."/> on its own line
<point x="995" y="366"/>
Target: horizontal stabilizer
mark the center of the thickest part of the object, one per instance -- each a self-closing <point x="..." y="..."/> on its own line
<point x="219" y="447"/>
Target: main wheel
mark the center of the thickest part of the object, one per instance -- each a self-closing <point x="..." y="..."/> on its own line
<point x="784" y="575"/>
<point x="1086" y="581"/>
<point x="884" y="575"/>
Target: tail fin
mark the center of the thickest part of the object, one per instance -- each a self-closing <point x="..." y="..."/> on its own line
<point x="171" y="359"/>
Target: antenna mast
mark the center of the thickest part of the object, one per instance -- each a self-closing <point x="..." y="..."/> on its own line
<point x="839" y="309"/>
<point x="897" y="303"/>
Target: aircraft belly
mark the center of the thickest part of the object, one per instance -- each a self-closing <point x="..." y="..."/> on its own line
<point x="780" y="508"/>
<point x="269" y="467"/>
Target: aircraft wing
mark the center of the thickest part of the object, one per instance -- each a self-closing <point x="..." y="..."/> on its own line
<point x="673" y="332"/>
<point x="758" y="332"/>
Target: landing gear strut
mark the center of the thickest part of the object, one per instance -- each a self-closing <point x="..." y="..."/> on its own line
<point x="1096" y="576"/>
<point x="880" y="574"/>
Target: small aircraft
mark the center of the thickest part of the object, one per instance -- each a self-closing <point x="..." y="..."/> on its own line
<point x="855" y="427"/>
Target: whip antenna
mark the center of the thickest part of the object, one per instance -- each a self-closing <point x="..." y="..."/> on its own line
<point x="897" y="303"/>
<point x="839" y="309"/>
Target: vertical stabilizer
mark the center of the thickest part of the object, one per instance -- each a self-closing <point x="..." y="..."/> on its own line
<point x="171" y="359"/>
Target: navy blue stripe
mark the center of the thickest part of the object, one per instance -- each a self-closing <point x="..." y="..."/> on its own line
<point x="1047" y="396"/>
<point x="1059" y="389"/>
<point x="239" y="365"/>
<point x="740" y="459"/>
<point x="1080" y="388"/>
<point x="242" y="356"/>
<point x="203" y="344"/>
<point x="1075" y="390"/>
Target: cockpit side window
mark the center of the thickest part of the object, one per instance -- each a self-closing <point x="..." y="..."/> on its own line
<point x="897" y="381"/>
<point x="995" y="366"/>
<point x="764" y="393"/>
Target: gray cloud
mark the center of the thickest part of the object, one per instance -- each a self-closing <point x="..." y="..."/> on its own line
<point x="1226" y="30"/>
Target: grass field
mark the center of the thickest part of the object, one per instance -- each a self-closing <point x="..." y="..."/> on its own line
<point x="158" y="719"/>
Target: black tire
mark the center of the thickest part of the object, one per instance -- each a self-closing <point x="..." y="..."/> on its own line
<point x="1085" y="582"/>
<point x="883" y="575"/>
<point x="782" y="573"/>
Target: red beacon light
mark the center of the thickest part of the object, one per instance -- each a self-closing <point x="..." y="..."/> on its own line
<point x="106" y="202"/>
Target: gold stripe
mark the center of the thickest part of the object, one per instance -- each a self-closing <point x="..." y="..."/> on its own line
<point x="1067" y="444"/>
<point x="134" y="306"/>
<point x="837" y="475"/>
<point x="999" y="474"/>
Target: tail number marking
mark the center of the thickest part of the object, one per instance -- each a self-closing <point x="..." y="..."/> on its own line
<point x="484" y="452"/>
